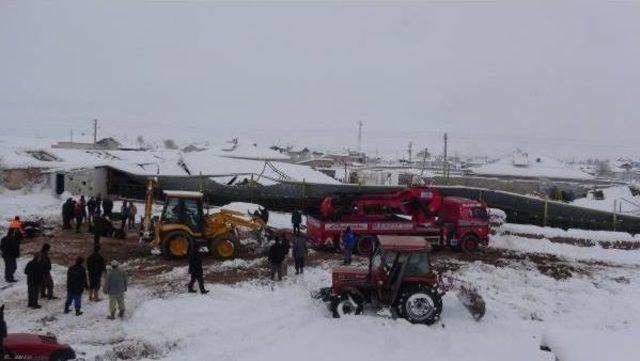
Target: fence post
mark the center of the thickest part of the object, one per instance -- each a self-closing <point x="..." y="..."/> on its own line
<point x="546" y="211"/>
<point x="615" y="215"/>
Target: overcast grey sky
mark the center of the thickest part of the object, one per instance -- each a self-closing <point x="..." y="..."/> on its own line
<point x="558" y="78"/>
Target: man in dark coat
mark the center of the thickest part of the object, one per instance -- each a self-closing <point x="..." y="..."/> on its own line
<point x="296" y="220"/>
<point x="34" y="273"/>
<point x="107" y="206"/>
<point x="76" y="283"/>
<point x="91" y="207"/>
<point x="99" y="228"/>
<point x="67" y="213"/>
<point x="46" y="287"/>
<point x="195" y="270"/>
<point x="276" y="256"/>
<point x="264" y="215"/>
<point x="98" y="204"/>
<point x="79" y="213"/>
<point x="299" y="251"/>
<point x="10" y="247"/>
<point x="96" y="266"/>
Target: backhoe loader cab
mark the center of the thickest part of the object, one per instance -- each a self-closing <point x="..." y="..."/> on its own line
<point x="183" y="225"/>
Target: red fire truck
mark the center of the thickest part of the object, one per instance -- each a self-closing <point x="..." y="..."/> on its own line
<point x="419" y="211"/>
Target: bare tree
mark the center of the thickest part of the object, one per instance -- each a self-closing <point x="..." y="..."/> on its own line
<point x="170" y="144"/>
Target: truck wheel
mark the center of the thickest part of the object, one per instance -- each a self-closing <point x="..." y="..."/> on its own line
<point x="469" y="244"/>
<point x="420" y="304"/>
<point x="176" y="244"/>
<point x="366" y="244"/>
<point x="346" y="304"/>
<point x="225" y="246"/>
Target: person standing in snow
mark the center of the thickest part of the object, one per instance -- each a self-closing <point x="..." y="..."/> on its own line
<point x="299" y="251"/>
<point x="76" y="284"/>
<point x="34" y="273"/>
<point x="99" y="228"/>
<point x="10" y="247"/>
<point x="115" y="286"/>
<point x="98" y="204"/>
<point x="348" y="242"/>
<point x="296" y="220"/>
<point x="91" y="207"/>
<point x="67" y="213"/>
<point x="264" y="215"/>
<point x="46" y="287"/>
<point x="195" y="270"/>
<point x="125" y="211"/>
<point x="79" y="213"/>
<point x="96" y="267"/>
<point x="276" y="256"/>
<point x="132" y="215"/>
<point x="107" y="207"/>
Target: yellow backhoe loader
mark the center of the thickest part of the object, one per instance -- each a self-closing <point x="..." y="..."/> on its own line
<point x="183" y="224"/>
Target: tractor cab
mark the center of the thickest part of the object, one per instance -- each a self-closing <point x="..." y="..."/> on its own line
<point x="185" y="208"/>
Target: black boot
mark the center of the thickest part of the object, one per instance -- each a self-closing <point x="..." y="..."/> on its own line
<point x="203" y="291"/>
<point x="78" y="312"/>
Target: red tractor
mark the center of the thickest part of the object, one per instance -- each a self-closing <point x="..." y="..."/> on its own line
<point x="447" y="221"/>
<point x="400" y="277"/>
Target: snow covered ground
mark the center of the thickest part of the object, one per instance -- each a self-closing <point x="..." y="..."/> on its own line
<point x="592" y="314"/>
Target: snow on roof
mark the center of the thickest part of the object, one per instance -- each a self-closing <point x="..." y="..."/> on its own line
<point x="248" y="151"/>
<point x="537" y="166"/>
<point x="19" y="153"/>
<point x="183" y="194"/>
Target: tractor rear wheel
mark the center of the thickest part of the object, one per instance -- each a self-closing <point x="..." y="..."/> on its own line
<point x="469" y="244"/>
<point x="366" y="244"/>
<point x="420" y="304"/>
<point x="346" y="304"/>
<point x="176" y="244"/>
<point x="225" y="246"/>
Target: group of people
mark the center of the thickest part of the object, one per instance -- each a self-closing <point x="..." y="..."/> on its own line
<point x="97" y="212"/>
<point x="279" y="251"/>
<point x="79" y="278"/>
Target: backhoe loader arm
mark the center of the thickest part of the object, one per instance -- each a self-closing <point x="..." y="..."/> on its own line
<point x="147" y="233"/>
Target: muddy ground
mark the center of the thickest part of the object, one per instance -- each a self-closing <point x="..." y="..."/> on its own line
<point x="144" y="266"/>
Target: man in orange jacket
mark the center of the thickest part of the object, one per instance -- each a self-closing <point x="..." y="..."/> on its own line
<point x="16" y="223"/>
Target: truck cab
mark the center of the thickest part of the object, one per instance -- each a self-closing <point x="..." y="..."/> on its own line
<point x="466" y="222"/>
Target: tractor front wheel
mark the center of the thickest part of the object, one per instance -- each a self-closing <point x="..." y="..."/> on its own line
<point x="420" y="304"/>
<point x="346" y="304"/>
<point x="225" y="246"/>
<point x="176" y="244"/>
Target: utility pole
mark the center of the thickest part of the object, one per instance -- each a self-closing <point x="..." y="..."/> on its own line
<point x="410" y="151"/>
<point x="424" y="161"/>
<point x="95" y="131"/>
<point x="360" y="136"/>
<point x="445" y="166"/>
